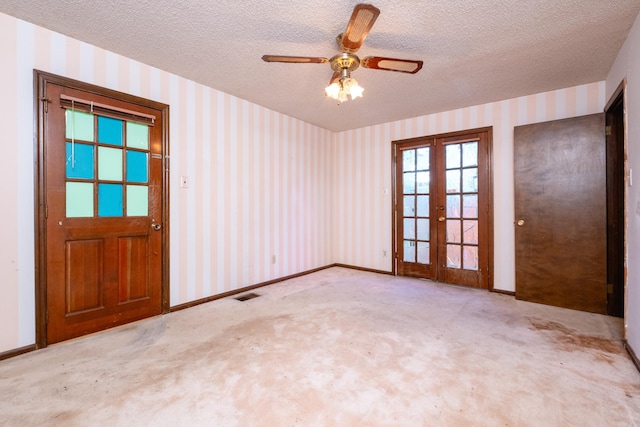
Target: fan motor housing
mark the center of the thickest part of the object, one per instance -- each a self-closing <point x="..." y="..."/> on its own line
<point x="344" y="61"/>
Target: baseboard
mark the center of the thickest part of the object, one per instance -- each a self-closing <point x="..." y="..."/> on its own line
<point x="245" y="289"/>
<point x="17" y="351"/>
<point x="370" y="270"/>
<point x="500" y="291"/>
<point x="633" y="355"/>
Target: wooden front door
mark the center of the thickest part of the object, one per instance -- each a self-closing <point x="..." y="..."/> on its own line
<point x="442" y="208"/>
<point x="560" y="212"/>
<point x="102" y="198"/>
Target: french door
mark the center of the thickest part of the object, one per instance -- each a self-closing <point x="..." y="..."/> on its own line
<point x="102" y="208"/>
<point x="442" y="209"/>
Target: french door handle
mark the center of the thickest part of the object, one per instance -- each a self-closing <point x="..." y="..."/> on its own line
<point x="441" y="219"/>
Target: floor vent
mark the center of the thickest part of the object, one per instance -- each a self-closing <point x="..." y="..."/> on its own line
<point x="247" y="296"/>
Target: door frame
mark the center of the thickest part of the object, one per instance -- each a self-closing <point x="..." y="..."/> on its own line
<point x="617" y="197"/>
<point x="41" y="79"/>
<point x="489" y="177"/>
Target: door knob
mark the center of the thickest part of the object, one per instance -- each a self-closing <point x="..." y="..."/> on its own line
<point x="441" y="219"/>
<point x="156" y="226"/>
<point x="520" y="222"/>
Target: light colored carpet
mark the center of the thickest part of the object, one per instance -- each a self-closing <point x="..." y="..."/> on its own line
<point x="338" y="347"/>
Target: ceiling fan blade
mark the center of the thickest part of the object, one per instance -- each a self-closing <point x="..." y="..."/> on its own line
<point x="294" y="59"/>
<point x="335" y="77"/>
<point x="362" y="19"/>
<point x="391" y="64"/>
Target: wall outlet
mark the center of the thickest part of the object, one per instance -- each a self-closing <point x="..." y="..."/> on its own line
<point x="184" y="182"/>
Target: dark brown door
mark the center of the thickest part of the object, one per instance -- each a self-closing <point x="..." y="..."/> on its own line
<point x="560" y="213"/>
<point x="443" y="208"/>
<point x="103" y="207"/>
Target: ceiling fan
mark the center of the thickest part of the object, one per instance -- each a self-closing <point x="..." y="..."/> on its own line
<point x="341" y="84"/>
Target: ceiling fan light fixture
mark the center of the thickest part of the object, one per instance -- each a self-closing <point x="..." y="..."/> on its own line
<point x="341" y="90"/>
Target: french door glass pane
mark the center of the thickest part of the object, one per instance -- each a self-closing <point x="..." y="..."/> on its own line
<point x="453" y="206"/>
<point x="409" y="205"/>
<point x="423" y="253"/>
<point x="422" y="159"/>
<point x="469" y="154"/>
<point x="470" y="180"/>
<point x="470" y="232"/>
<point x="409" y="183"/>
<point x="409" y="251"/>
<point x="423" y="229"/>
<point x="409" y="160"/>
<point x="470" y="261"/>
<point x="423" y="180"/>
<point x="453" y="231"/>
<point x="423" y="206"/>
<point x="454" y="256"/>
<point x="409" y="228"/>
<point x="452" y="156"/>
<point x="453" y="181"/>
<point x="470" y="206"/>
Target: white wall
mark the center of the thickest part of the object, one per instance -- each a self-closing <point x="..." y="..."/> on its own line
<point x="627" y="66"/>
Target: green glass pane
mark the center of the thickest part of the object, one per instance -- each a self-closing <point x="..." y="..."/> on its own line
<point x="137" y="200"/>
<point x="79" y="161"/>
<point x="109" y="131"/>
<point x="79" y="197"/>
<point x="109" y="199"/>
<point x="110" y="164"/>
<point x="137" y="166"/>
<point x="137" y="135"/>
<point x="79" y="125"/>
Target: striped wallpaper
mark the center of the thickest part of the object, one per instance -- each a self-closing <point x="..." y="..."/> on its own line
<point x="263" y="186"/>
<point x="362" y="212"/>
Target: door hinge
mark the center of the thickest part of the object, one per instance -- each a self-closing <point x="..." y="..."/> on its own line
<point x="46" y="211"/>
<point x="607" y="130"/>
<point x="46" y="317"/>
<point x="609" y="288"/>
<point x="46" y="101"/>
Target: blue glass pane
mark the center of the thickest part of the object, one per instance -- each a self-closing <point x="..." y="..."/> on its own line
<point x="79" y="161"/>
<point x="137" y="166"/>
<point x="109" y="131"/>
<point x="109" y="199"/>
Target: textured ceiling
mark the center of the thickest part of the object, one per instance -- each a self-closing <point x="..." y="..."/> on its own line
<point x="474" y="51"/>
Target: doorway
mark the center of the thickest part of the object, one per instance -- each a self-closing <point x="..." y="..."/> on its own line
<point x="616" y="164"/>
<point x="102" y="209"/>
<point x="443" y="208"/>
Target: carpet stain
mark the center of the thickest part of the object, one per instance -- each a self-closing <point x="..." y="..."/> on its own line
<point x="570" y="340"/>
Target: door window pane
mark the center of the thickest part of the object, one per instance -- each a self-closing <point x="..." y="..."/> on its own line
<point x="470" y="261"/>
<point x="409" y="251"/>
<point x="79" y="125"/>
<point x="409" y="183"/>
<point x="109" y="131"/>
<point x="423" y="252"/>
<point x="409" y="228"/>
<point x="452" y="153"/>
<point x="409" y="160"/>
<point x="470" y="180"/>
<point x="423" y="229"/>
<point x="453" y="231"/>
<point x="137" y="164"/>
<point x="109" y="164"/>
<point x="137" y="200"/>
<point x="470" y="205"/>
<point x="137" y="136"/>
<point x="454" y="256"/>
<point x="423" y="179"/>
<point x="423" y="206"/>
<point x="470" y="154"/>
<point x="109" y="199"/>
<point x="79" y="161"/>
<point x="453" y="181"/>
<point x="453" y="206"/>
<point x="422" y="160"/>
<point x="79" y="199"/>
<point x="470" y="230"/>
<point x="409" y="208"/>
